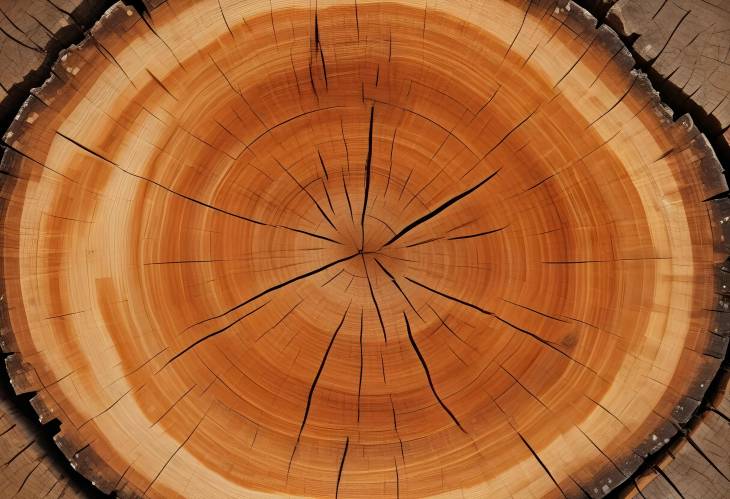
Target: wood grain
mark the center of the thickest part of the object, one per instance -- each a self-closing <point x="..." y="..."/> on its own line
<point x="685" y="44"/>
<point x="26" y="468"/>
<point x="363" y="249"/>
<point x="32" y="33"/>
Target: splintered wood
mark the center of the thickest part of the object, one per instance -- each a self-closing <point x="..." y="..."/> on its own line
<point x="26" y="468"/>
<point x="32" y="32"/>
<point x="360" y="249"/>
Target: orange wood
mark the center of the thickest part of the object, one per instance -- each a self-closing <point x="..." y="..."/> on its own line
<point x="358" y="249"/>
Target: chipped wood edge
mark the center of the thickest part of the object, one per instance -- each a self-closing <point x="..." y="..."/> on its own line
<point x="23" y="377"/>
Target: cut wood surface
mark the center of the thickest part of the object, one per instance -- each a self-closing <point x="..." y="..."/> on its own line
<point x="365" y="249"/>
<point x="687" y="44"/>
<point x="698" y="463"/>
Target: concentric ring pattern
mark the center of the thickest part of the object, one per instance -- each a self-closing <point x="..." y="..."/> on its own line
<point x="357" y="249"/>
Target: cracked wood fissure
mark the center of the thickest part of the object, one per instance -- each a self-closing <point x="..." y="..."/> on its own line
<point x="428" y="374"/>
<point x="274" y="288"/>
<point x="191" y="199"/>
<point x="375" y="300"/>
<point x="431" y="214"/>
<point x="342" y="466"/>
<point x="183" y="217"/>
<point x="368" y="174"/>
<point x="314" y="386"/>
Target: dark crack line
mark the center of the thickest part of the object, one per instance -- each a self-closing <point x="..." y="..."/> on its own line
<point x="666" y="478"/>
<point x="168" y="92"/>
<point x="332" y="278"/>
<point x="175" y="453"/>
<point x="502" y="140"/>
<point x="275" y="287"/>
<point x="342" y="465"/>
<point x="607" y="412"/>
<point x="324" y="167"/>
<point x="318" y="48"/>
<point x="452" y="298"/>
<point x="479" y="234"/>
<point x="308" y="194"/>
<point x="214" y="333"/>
<point x="375" y="301"/>
<point x="428" y="216"/>
<point x="537" y="458"/>
<point x="344" y="141"/>
<point x="547" y="316"/>
<point x="428" y="374"/>
<point x="397" y="433"/>
<point x="324" y="182"/>
<point x="702" y="453"/>
<point x="448" y="328"/>
<point x="421" y="243"/>
<point x="390" y="165"/>
<point x="395" y="283"/>
<point x="368" y="172"/>
<point x="347" y="197"/>
<point x="191" y="199"/>
<point x="397" y="478"/>
<point x="527" y="390"/>
<point x="283" y="318"/>
<point x="516" y="328"/>
<point x="25" y="480"/>
<point x="172" y="406"/>
<point x="23" y="449"/>
<point x="405" y="184"/>
<point x="544" y="342"/>
<point x="314" y="386"/>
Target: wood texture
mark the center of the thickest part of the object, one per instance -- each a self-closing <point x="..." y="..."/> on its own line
<point x="26" y="468"/>
<point x="32" y="33"/>
<point x="697" y="464"/>
<point x="362" y="250"/>
<point x="686" y="43"/>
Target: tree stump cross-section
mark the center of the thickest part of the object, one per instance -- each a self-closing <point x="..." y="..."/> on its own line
<point x="359" y="249"/>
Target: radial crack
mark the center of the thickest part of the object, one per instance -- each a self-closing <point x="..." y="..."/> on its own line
<point x="537" y="458"/>
<point x="478" y="234"/>
<point x="452" y="298"/>
<point x="274" y="288"/>
<point x="214" y="333"/>
<point x="308" y="194"/>
<point x="395" y="283"/>
<point x="428" y="374"/>
<point x="431" y="214"/>
<point x="314" y="386"/>
<point x="375" y="301"/>
<point x="368" y="173"/>
<point x="191" y="199"/>
<point x="342" y="465"/>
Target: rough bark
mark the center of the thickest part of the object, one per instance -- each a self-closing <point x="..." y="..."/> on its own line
<point x="684" y="45"/>
<point x="28" y="466"/>
<point x="32" y="33"/>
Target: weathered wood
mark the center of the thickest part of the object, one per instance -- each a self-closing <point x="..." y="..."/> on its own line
<point x="32" y="33"/>
<point x="26" y="469"/>
<point x="396" y="251"/>
<point x="686" y="43"/>
<point x="655" y="485"/>
<point x="698" y="463"/>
